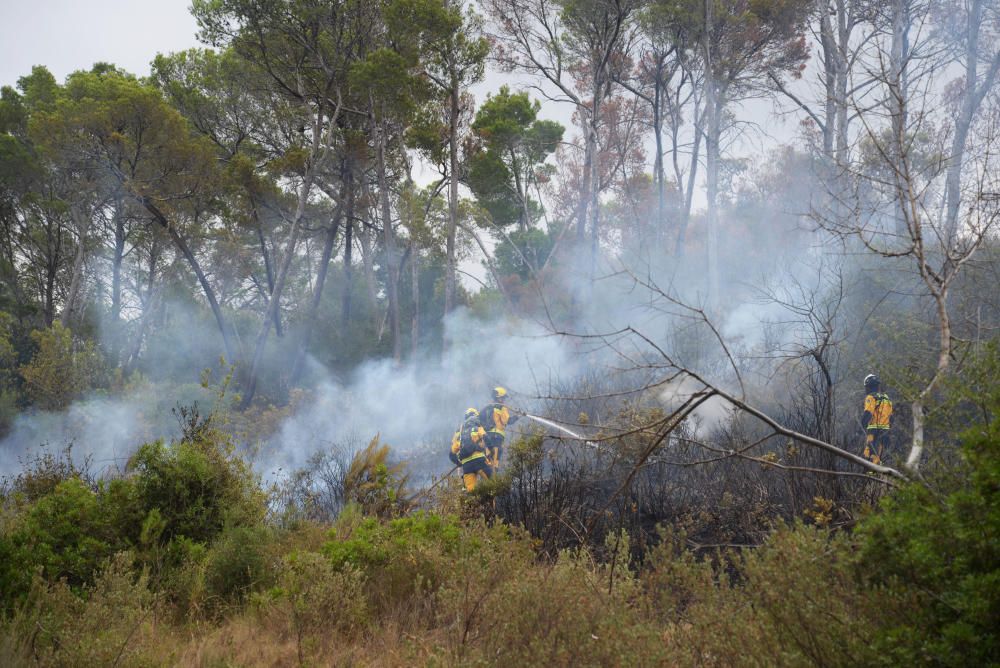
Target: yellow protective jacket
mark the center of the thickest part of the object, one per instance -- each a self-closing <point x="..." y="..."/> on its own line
<point x="469" y="442"/>
<point x="878" y="412"/>
<point x="496" y="417"/>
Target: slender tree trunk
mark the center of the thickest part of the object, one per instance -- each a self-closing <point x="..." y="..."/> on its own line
<point x="389" y="239"/>
<point x="972" y="96"/>
<point x="595" y="176"/>
<point x="268" y="269"/>
<point x="345" y="307"/>
<point x="944" y="361"/>
<point x="684" y="216"/>
<point x="274" y="303"/>
<point x="585" y="182"/>
<point x="53" y="233"/>
<point x="899" y="57"/>
<point x="712" y="157"/>
<point x="450" y="281"/>
<point x="658" y="171"/>
<point x="116" y="263"/>
<point x="82" y="223"/>
<point x="830" y="80"/>
<point x="845" y="25"/>
<point x="524" y="219"/>
<point x="368" y="264"/>
<point x="149" y="305"/>
<point x="415" y="294"/>
<point x="310" y="322"/>
<point x="116" y="281"/>
<point x="185" y="250"/>
<point x="713" y="110"/>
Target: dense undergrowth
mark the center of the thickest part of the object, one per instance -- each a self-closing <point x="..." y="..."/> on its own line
<point x="186" y="559"/>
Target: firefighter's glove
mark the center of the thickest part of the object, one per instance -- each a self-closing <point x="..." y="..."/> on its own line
<point x="454" y="459"/>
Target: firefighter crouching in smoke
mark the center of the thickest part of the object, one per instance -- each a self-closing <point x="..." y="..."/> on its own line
<point x="468" y="450"/>
<point x="877" y="420"/>
<point x="495" y="418"/>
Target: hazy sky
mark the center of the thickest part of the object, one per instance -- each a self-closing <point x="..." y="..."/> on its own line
<point x="68" y="35"/>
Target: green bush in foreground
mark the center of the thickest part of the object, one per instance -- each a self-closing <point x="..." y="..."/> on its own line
<point x="943" y="547"/>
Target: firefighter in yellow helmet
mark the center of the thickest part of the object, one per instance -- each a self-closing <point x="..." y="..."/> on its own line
<point x="495" y="418"/>
<point x="877" y="420"/>
<point x="468" y="449"/>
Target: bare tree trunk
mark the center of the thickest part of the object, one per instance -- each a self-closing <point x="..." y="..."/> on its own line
<point x="345" y="307"/>
<point x="830" y="79"/>
<point x="274" y="303"/>
<point x="712" y="155"/>
<point x="450" y="259"/>
<point x="82" y="224"/>
<point x="898" y="62"/>
<point x="658" y="171"/>
<point x="943" y="362"/>
<point x="149" y="305"/>
<point x="585" y="183"/>
<point x="688" y="192"/>
<point x="202" y="279"/>
<point x="713" y="110"/>
<point x="845" y="26"/>
<point x="368" y="264"/>
<point x="415" y="293"/>
<point x="310" y="321"/>
<point x="268" y="269"/>
<point x="595" y="176"/>
<point x="389" y="240"/>
<point x="972" y="96"/>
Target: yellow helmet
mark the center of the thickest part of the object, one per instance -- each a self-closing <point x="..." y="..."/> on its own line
<point x="499" y="393"/>
<point x="471" y="412"/>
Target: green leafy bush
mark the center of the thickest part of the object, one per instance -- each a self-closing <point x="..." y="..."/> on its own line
<point x="238" y="563"/>
<point x="404" y="556"/>
<point x="65" y="535"/>
<point x="104" y="626"/>
<point x="313" y="599"/>
<point x="196" y="487"/>
<point x="943" y="546"/>
<point x="62" y="369"/>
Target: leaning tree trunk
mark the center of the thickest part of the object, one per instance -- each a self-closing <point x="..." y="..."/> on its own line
<point x="185" y="250"/>
<point x="274" y="303"/>
<point x="310" y="321"/>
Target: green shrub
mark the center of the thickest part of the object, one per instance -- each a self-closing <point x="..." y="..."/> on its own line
<point x="196" y="487"/>
<point x="404" y="556"/>
<point x="313" y="599"/>
<point x="65" y="534"/>
<point x="238" y="563"/>
<point x="62" y="369"/>
<point x="102" y="625"/>
<point x="943" y="546"/>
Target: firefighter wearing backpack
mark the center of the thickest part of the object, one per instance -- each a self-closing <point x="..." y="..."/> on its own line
<point x="877" y="420"/>
<point x="468" y="449"/>
<point x="495" y="419"/>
